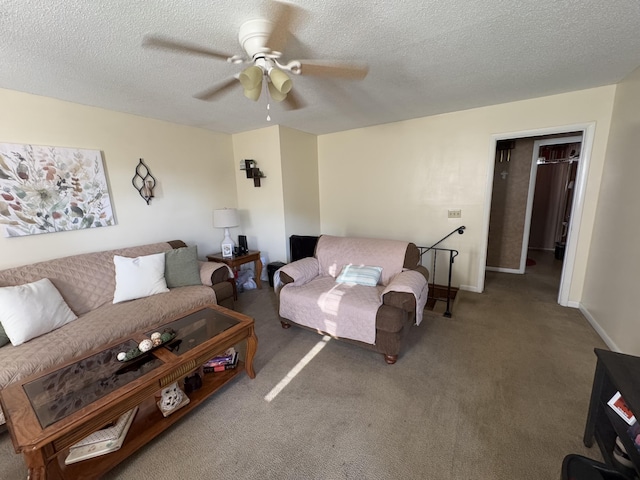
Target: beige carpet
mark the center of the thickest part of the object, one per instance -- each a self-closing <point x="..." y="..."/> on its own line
<point x="500" y="391"/>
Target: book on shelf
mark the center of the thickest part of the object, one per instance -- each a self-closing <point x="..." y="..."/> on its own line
<point x="619" y="406"/>
<point x="94" y="446"/>
<point x="110" y="432"/>
<point x="227" y="357"/>
<point x="221" y="367"/>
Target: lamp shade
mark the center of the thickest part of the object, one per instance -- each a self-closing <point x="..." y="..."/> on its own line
<point x="225" y="218"/>
<point x="280" y="80"/>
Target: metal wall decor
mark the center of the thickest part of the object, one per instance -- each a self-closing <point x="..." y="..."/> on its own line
<point x="144" y="182"/>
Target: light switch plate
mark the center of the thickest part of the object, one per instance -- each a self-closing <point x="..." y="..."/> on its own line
<point x="455" y="214"/>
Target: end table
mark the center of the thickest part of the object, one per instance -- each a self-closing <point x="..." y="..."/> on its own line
<point x="237" y="260"/>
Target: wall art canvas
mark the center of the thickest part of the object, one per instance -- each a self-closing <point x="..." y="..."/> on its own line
<point x="52" y="189"/>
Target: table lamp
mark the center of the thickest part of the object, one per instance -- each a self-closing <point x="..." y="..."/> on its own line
<point x="226" y="218"/>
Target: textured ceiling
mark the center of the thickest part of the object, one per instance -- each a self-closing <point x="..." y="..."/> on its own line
<point x="425" y="56"/>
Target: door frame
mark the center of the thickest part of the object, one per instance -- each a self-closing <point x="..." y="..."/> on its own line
<point x="532" y="190"/>
<point x="588" y="135"/>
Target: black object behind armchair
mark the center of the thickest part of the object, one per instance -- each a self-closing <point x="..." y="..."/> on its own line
<point x="302" y="246"/>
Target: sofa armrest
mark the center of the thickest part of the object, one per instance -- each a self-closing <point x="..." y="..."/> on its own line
<point x="213" y="272"/>
<point x="296" y="273"/>
<point x="405" y="288"/>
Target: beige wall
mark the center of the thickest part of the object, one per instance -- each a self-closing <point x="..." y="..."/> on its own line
<point x="287" y="201"/>
<point x="261" y="209"/>
<point x="299" y="152"/>
<point x="398" y="180"/>
<point x="394" y="181"/>
<point x="193" y="168"/>
<point x="613" y="263"/>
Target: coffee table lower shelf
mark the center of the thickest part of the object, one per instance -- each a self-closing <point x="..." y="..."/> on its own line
<point x="147" y="424"/>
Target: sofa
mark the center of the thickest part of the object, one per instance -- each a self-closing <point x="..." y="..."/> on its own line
<point x="87" y="283"/>
<point x="369" y="292"/>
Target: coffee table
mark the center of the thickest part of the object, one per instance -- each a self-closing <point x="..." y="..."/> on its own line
<point x="50" y="411"/>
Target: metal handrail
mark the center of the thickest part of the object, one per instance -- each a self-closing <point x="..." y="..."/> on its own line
<point x="460" y="230"/>
<point x="452" y="255"/>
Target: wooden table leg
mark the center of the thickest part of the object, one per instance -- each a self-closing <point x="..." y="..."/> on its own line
<point x="258" y="264"/>
<point x="36" y="464"/>
<point x="252" y="346"/>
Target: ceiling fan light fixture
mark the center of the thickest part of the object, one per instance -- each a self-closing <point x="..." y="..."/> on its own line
<point x="275" y="94"/>
<point x="263" y="42"/>
<point x="251" y="77"/>
<point x="253" y="93"/>
<point x="280" y="80"/>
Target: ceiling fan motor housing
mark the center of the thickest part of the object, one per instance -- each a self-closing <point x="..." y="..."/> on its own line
<point x="253" y="36"/>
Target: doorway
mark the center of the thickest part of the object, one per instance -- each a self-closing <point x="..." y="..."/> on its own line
<point x="518" y="227"/>
<point x="556" y="163"/>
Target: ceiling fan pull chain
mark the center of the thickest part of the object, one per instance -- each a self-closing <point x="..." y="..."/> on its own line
<point x="266" y="95"/>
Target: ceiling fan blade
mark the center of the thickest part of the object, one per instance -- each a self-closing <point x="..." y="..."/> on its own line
<point x="293" y="101"/>
<point x="216" y="90"/>
<point x="178" y="46"/>
<point x="333" y="69"/>
<point x="283" y="22"/>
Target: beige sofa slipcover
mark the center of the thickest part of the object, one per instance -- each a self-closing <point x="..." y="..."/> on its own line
<point x="376" y="317"/>
<point x="87" y="284"/>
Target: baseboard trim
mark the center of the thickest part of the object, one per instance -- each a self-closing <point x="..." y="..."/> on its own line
<point x="573" y="304"/>
<point x="504" y="270"/>
<point x="599" y="330"/>
<point x="470" y="288"/>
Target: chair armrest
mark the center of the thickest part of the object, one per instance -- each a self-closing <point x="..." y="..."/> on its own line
<point x="404" y="288"/>
<point x="296" y="273"/>
<point x="213" y="272"/>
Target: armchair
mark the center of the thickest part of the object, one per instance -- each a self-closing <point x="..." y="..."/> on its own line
<point x="337" y="292"/>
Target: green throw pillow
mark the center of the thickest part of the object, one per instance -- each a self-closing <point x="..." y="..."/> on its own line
<point x="3" y="337"/>
<point x="181" y="267"/>
<point x="362" y="275"/>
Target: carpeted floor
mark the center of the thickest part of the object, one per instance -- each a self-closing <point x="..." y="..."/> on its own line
<point x="500" y="391"/>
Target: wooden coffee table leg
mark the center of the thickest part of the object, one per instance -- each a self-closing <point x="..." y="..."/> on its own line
<point x="36" y="464"/>
<point x="252" y="346"/>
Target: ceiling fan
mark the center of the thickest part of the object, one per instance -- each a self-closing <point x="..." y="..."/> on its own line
<point x="263" y="42"/>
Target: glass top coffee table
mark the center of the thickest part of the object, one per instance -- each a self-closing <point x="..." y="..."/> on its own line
<point x="50" y="411"/>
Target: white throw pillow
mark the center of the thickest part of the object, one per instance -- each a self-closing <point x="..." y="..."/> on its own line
<point x="30" y="310"/>
<point x="139" y="277"/>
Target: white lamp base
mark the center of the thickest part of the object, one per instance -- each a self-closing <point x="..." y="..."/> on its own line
<point x="227" y="244"/>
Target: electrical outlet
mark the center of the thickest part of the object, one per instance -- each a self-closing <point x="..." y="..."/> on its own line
<point x="455" y="213"/>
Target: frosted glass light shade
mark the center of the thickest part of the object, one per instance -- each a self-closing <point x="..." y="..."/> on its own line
<point x="275" y="94"/>
<point x="280" y="80"/>
<point x="251" y="77"/>
<point x="253" y="94"/>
